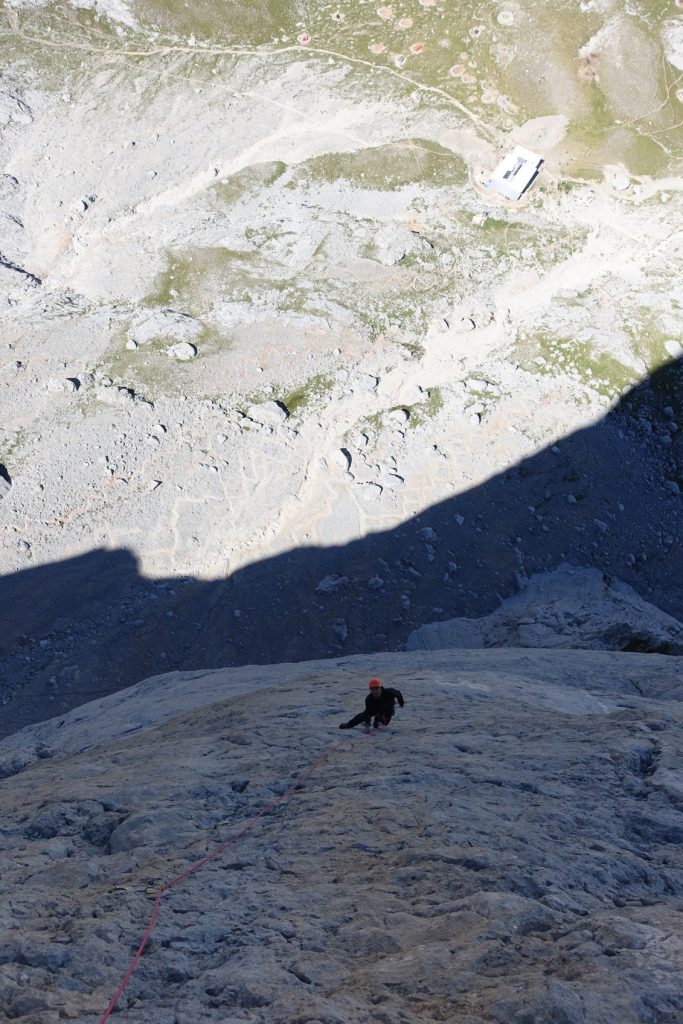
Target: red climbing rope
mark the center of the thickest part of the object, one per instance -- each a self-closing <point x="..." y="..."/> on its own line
<point x="205" y="860"/>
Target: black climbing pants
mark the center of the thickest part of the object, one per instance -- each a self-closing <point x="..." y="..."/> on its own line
<point x="383" y="718"/>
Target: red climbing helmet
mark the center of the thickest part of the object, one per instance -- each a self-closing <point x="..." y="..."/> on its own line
<point x="375" y="682"/>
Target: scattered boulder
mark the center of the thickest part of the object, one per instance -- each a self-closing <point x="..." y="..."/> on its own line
<point x="268" y="414"/>
<point x="342" y="457"/>
<point x="341" y="629"/>
<point x="63" y="385"/>
<point x="331" y="584"/>
<point x="364" y="382"/>
<point x="617" y="177"/>
<point x="183" y="352"/>
<point x="398" y="417"/>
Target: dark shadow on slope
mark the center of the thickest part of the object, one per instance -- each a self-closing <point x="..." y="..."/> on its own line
<point x="607" y="496"/>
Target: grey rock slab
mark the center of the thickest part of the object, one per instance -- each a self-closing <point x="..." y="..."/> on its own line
<point x="153" y="829"/>
<point x="498" y="843"/>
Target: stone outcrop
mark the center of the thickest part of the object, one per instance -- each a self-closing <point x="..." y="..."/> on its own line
<point x="568" y="607"/>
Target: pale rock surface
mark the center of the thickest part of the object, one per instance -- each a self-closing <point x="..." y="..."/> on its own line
<point x="164" y="324"/>
<point x="12" y="108"/>
<point x="672" y="35"/>
<point x="269" y="414"/>
<point x="569" y="607"/>
<point x="183" y="352"/>
<point x="393" y="242"/>
<point x="507" y="852"/>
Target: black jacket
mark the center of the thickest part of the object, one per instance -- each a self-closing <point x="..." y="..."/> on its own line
<point x="376" y="707"/>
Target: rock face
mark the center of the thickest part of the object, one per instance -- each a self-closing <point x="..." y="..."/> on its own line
<point x="568" y="607"/>
<point x="508" y="852"/>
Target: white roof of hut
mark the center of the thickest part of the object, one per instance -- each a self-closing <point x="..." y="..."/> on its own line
<point x="515" y="172"/>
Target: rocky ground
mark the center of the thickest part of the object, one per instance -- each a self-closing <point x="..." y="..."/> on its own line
<point x="508" y="851"/>
<point x="280" y="378"/>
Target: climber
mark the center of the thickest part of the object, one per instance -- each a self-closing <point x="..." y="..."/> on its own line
<point x="379" y="706"/>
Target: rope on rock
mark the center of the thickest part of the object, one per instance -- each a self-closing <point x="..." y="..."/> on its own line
<point x="205" y="860"/>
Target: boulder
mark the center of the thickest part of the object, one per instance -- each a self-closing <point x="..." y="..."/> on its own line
<point x="268" y="414"/>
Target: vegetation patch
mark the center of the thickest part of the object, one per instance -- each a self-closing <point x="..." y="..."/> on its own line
<point x="551" y="355"/>
<point x="11" y="444"/>
<point x="195" y="274"/>
<point x="384" y="168"/>
<point x="422" y="412"/>
<point x="310" y="393"/>
<point x="245" y="182"/>
<point x="150" y="372"/>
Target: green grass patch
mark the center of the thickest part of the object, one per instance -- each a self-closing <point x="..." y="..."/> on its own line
<point x="151" y="373"/>
<point x="11" y="444"/>
<point x="550" y="355"/>
<point x="310" y="393"/>
<point x="648" y="340"/>
<point x="231" y="21"/>
<point x="196" y="273"/>
<point x="245" y="182"/>
<point x="384" y="168"/>
<point x="423" y="412"/>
